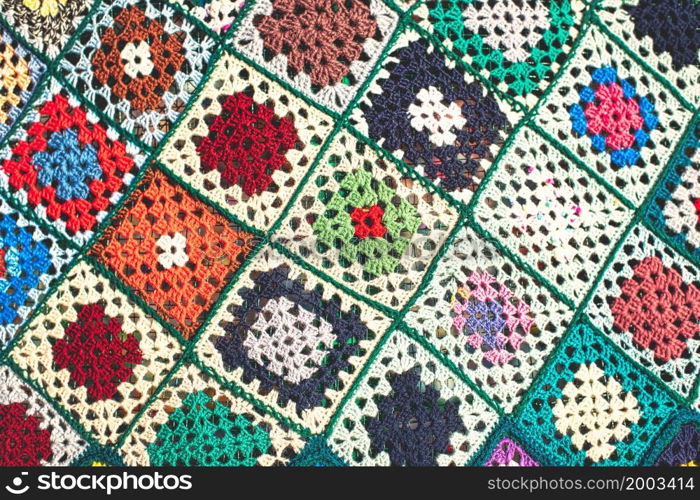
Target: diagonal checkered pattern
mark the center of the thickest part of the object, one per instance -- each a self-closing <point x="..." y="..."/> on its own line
<point x="359" y="233"/>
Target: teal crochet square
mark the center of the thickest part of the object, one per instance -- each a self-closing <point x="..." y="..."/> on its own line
<point x="593" y="406"/>
<point x="518" y="46"/>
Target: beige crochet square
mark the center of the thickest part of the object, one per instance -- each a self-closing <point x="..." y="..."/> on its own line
<point x="529" y="320"/>
<point x="107" y="418"/>
<point x="633" y="181"/>
<point x="66" y="444"/>
<point x="425" y="403"/>
<point x="552" y="214"/>
<point x="232" y="77"/>
<point x="679" y="372"/>
<point x="348" y="156"/>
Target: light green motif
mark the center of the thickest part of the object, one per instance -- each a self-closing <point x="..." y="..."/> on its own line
<point x="378" y="254"/>
<point x="195" y="434"/>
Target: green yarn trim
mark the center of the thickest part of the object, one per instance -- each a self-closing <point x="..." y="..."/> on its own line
<point x="380" y="256"/>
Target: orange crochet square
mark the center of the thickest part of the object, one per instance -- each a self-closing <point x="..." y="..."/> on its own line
<point x="176" y="252"/>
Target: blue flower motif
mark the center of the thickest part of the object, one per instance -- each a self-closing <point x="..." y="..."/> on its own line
<point x="69" y="164"/>
<point x="26" y="261"/>
<point x="485" y="317"/>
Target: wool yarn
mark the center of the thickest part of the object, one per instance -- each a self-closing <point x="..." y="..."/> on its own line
<point x="350" y="233"/>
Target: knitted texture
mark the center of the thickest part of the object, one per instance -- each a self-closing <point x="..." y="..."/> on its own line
<point x="327" y="233"/>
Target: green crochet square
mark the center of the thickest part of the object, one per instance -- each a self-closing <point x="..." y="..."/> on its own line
<point x="205" y="432"/>
<point x="518" y="45"/>
<point x="380" y="247"/>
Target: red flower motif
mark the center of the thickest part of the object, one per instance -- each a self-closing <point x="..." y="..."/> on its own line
<point x="615" y="115"/>
<point x="697" y="208"/>
<point x="96" y="353"/>
<point x="368" y="222"/>
<point x="319" y="37"/>
<point x="247" y="142"/>
<point x="22" y="443"/>
<point x="658" y="309"/>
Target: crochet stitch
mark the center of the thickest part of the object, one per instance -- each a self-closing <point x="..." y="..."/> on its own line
<point x="349" y="233"/>
<point x="23" y="443"/>
<point x="415" y="112"/>
<point x="309" y="346"/>
<point x="89" y="335"/>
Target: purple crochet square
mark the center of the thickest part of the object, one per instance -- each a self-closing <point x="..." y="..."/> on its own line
<point x="510" y="454"/>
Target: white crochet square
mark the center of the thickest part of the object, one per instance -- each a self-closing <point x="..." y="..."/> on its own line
<point x="503" y="354"/>
<point x="551" y="214"/>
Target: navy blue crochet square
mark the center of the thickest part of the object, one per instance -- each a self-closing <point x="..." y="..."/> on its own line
<point x="413" y="424"/>
<point x="684" y="448"/>
<point x="673" y="25"/>
<point x="433" y="118"/>
<point x="290" y="339"/>
<point x="675" y="210"/>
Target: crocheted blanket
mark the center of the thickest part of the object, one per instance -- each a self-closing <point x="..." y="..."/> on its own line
<point x="357" y="232"/>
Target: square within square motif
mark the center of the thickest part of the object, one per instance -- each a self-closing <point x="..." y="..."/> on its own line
<point x="66" y="164"/>
<point x="291" y="340"/>
<point x="42" y="436"/>
<point x="96" y="353"/>
<point x="362" y="221"/>
<point x="648" y="303"/>
<point x="139" y="62"/>
<point x="434" y="115"/>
